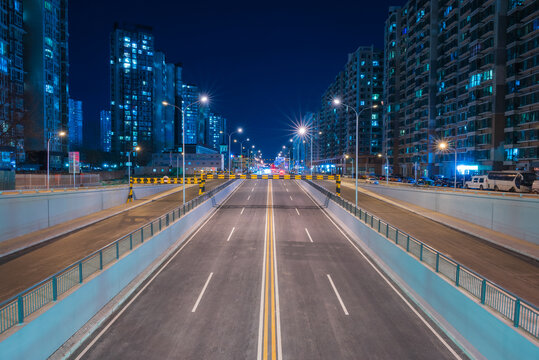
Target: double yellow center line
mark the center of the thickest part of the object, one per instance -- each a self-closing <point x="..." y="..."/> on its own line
<point x="270" y="300"/>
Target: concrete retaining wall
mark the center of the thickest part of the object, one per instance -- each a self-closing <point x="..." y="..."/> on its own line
<point x="512" y="216"/>
<point x="40" y="337"/>
<point x="485" y="332"/>
<point x="25" y="213"/>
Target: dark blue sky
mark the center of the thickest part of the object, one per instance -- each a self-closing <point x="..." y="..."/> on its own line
<point x="264" y="64"/>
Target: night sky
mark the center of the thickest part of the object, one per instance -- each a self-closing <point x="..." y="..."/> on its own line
<point x="263" y="64"/>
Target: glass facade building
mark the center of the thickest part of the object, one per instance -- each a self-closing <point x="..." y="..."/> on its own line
<point x="74" y="126"/>
<point x="105" y="130"/>
<point x="132" y="86"/>
<point x="46" y="67"/>
<point x="164" y="116"/>
<point x="194" y="119"/>
<point x="12" y="77"/>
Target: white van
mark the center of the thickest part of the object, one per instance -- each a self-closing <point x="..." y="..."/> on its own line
<point x="477" y="182"/>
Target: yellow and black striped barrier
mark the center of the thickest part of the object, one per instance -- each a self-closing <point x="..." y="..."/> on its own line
<point x="155" y="180"/>
<point x="130" y="196"/>
<point x="338" y="190"/>
<point x="202" y="186"/>
<point x="274" y="177"/>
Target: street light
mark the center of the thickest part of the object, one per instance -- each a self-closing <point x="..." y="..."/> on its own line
<point x="239" y="131"/>
<point x="338" y="102"/>
<point x="60" y="135"/>
<point x="241" y="155"/>
<point x="443" y="146"/>
<point x="202" y="100"/>
<point x="136" y="149"/>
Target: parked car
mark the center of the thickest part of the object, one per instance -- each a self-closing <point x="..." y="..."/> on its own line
<point x="535" y="187"/>
<point x="477" y="182"/>
<point x="372" y="180"/>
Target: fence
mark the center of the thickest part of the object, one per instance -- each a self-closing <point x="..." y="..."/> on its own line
<point x="522" y="314"/>
<point x="14" y="310"/>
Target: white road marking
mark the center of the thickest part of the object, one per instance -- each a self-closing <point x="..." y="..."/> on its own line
<point x="277" y="308"/>
<point x="438" y="336"/>
<point x="253" y="189"/>
<point x="248" y="197"/>
<point x="229" y="236"/>
<point x="309" y="235"/>
<point x="337" y="293"/>
<point x="286" y="189"/>
<point x="291" y="198"/>
<point x="297" y="211"/>
<point x="242" y="211"/>
<point x="202" y="293"/>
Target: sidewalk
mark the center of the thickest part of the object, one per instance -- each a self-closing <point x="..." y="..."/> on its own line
<point x="506" y="241"/>
<point x="34" y="239"/>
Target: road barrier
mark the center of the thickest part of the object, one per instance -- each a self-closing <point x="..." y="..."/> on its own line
<point x="519" y="312"/>
<point x="14" y="310"/>
<point x="196" y="180"/>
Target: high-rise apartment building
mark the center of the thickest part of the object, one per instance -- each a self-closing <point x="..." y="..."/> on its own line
<point x="216" y="131"/>
<point x="12" y="77"/>
<point x="521" y="145"/>
<point x="74" y="126"/>
<point x="193" y="115"/>
<point x="359" y="86"/>
<point x="447" y="76"/>
<point x="164" y="116"/>
<point x="46" y="69"/>
<point x="132" y="85"/>
<point x="105" y="130"/>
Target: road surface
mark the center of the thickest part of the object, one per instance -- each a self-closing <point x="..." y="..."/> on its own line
<point x="512" y="272"/>
<point x="20" y="273"/>
<point x="268" y="275"/>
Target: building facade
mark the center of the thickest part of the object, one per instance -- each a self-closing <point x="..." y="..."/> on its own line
<point x="12" y="77"/>
<point x="359" y="86"/>
<point x="105" y="130"/>
<point x="46" y="67"/>
<point x="194" y="122"/>
<point x="164" y="116"/>
<point x="132" y="85"/>
<point x="447" y="78"/>
<point x="74" y="126"/>
<point x="216" y="130"/>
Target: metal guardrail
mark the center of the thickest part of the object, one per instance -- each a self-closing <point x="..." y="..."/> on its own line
<point x="521" y="313"/>
<point x="14" y="310"/>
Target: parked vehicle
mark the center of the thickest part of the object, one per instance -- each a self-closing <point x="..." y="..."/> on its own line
<point x="479" y="182"/>
<point x="519" y="181"/>
<point x="535" y="187"/>
<point x="372" y="180"/>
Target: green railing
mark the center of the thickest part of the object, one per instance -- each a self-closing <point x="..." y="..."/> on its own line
<point x="14" y="310"/>
<point x="521" y="313"/>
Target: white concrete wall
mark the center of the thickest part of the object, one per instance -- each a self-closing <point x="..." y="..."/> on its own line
<point x="517" y="217"/>
<point x="25" y="213"/>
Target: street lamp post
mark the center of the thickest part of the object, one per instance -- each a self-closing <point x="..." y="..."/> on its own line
<point x="239" y="131"/>
<point x="241" y="154"/>
<point x="136" y="148"/>
<point x="203" y="100"/>
<point x="338" y="102"/>
<point x="444" y="146"/>
<point x="60" y="134"/>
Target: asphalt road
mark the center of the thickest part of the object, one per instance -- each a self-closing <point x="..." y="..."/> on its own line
<point x="250" y="284"/>
<point x="506" y="269"/>
<point x="21" y="272"/>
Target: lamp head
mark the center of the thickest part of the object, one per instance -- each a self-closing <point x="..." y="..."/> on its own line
<point x="204" y="99"/>
<point x="375" y="106"/>
<point x="165" y="103"/>
<point x="240" y="130"/>
<point x="336" y="101"/>
<point x="302" y="130"/>
<point x="62" y="133"/>
<point x="443" y="145"/>
<point x="137" y="148"/>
